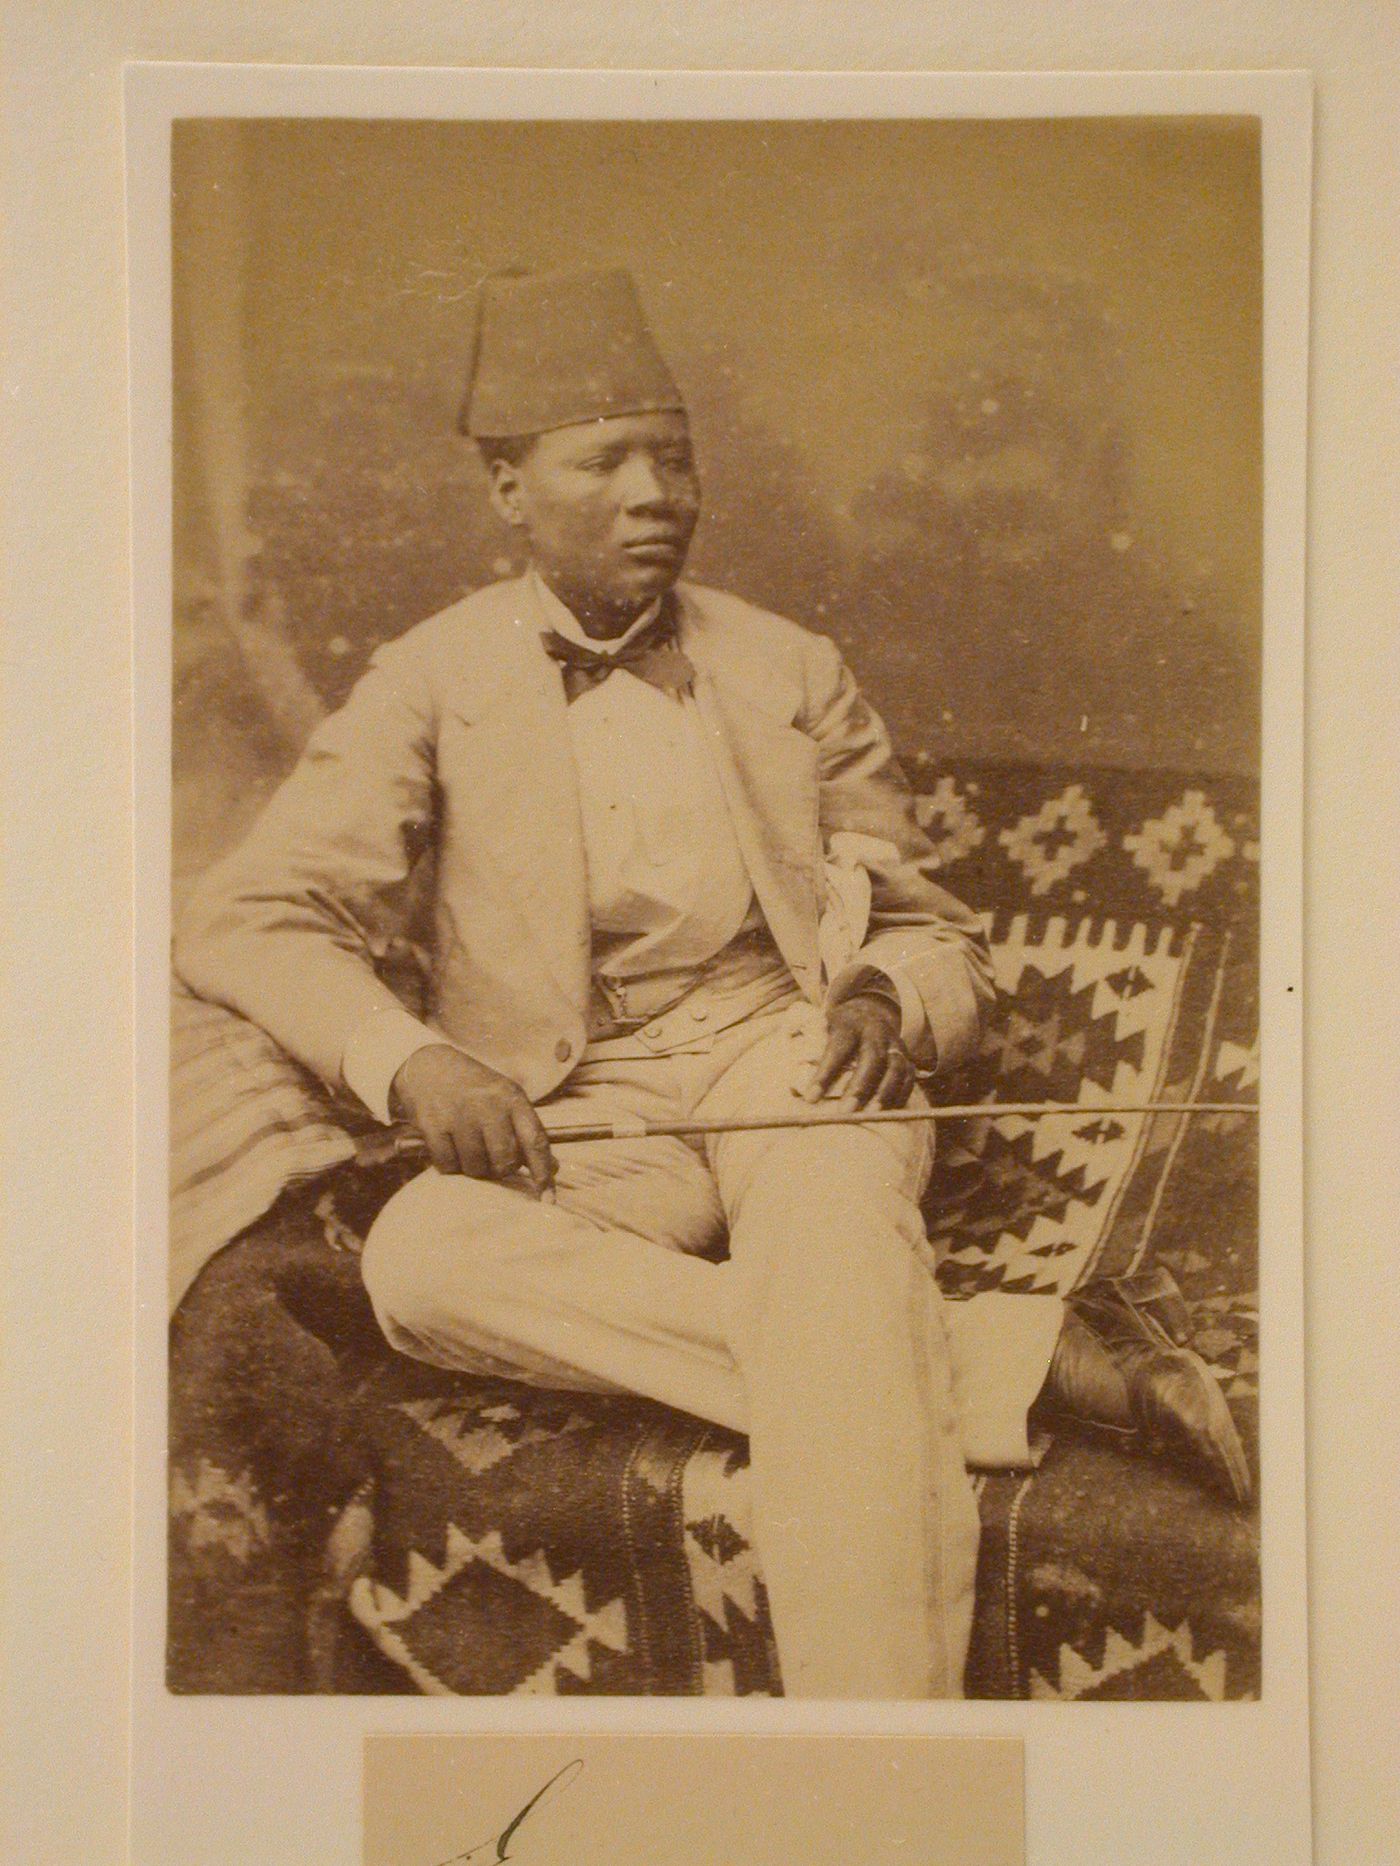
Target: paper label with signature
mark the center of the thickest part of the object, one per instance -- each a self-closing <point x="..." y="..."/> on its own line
<point x="690" y="1799"/>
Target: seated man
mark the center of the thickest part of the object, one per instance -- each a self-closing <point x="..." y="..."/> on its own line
<point x="678" y="876"/>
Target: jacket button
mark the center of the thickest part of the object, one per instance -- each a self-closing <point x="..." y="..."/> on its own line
<point x="563" y="1049"/>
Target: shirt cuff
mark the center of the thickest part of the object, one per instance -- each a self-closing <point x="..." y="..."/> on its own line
<point x="914" y="1033"/>
<point x="378" y="1048"/>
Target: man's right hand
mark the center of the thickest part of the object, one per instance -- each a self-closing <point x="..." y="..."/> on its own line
<point x="472" y="1120"/>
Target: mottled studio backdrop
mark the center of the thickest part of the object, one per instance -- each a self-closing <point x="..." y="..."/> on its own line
<point x="981" y="400"/>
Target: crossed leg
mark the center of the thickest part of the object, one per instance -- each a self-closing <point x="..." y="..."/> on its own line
<point x="822" y="1338"/>
<point x="599" y="1292"/>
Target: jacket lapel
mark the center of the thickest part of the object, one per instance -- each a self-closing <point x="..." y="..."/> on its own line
<point x="521" y="785"/>
<point x="769" y="774"/>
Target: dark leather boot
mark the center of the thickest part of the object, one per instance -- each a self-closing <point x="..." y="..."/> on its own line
<point x="1123" y="1365"/>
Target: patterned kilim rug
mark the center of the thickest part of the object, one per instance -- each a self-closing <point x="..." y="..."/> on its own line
<point x="344" y="1519"/>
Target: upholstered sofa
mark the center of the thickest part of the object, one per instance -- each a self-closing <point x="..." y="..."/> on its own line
<point x="345" y="1520"/>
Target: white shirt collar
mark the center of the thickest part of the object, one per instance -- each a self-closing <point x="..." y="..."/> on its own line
<point x="559" y="616"/>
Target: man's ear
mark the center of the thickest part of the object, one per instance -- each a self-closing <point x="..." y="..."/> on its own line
<point x="506" y="492"/>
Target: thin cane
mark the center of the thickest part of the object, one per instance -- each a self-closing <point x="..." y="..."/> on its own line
<point x="628" y="1127"/>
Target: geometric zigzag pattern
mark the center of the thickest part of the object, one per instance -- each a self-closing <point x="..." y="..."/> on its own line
<point x="470" y="1586"/>
<point x="727" y="1594"/>
<point x="552" y="1628"/>
<point x="1093" y="1013"/>
<point x="1162" y="1664"/>
<point x="534" y="1630"/>
<point x="1090" y="1014"/>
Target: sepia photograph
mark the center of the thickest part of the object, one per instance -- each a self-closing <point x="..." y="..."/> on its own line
<point x="715" y="850"/>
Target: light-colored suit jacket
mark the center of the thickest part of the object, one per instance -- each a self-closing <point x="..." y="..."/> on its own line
<point x="455" y="743"/>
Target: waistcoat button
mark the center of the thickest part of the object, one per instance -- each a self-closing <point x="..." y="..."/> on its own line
<point x="563" y="1049"/>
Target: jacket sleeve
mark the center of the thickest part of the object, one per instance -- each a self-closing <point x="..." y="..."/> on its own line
<point x="287" y="929"/>
<point x="927" y="943"/>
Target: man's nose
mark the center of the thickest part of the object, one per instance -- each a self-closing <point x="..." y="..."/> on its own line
<point x="641" y="485"/>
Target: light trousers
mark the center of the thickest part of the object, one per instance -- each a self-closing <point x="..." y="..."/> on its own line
<point x="822" y="1335"/>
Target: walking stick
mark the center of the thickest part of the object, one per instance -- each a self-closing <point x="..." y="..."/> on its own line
<point x="636" y="1128"/>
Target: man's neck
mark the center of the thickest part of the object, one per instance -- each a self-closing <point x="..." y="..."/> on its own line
<point x="598" y="624"/>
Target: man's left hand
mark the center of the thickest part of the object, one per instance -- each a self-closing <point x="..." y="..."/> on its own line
<point x="863" y="1041"/>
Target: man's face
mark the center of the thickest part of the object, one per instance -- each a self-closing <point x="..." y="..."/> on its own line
<point x="609" y="508"/>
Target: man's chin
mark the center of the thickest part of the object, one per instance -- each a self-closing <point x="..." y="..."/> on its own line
<point x="616" y="592"/>
<point x="642" y="579"/>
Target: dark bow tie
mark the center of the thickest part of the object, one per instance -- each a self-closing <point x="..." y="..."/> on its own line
<point x="652" y="655"/>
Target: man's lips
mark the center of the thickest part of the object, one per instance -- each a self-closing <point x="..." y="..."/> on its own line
<point x="658" y="550"/>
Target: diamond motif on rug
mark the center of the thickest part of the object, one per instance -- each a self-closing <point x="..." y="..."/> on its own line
<point x="718" y="1537"/>
<point x="949" y="823"/>
<point x="1050" y="1041"/>
<point x="1130" y="981"/>
<point x="1180" y="848"/>
<point x="532" y="1629"/>
<point x="1102" y="1129"/>
<point x="1062" y="835"/>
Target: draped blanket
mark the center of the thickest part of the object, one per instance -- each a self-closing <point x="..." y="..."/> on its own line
<point x="343" y="1519"/>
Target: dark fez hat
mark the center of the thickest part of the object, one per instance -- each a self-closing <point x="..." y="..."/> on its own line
<point x="553" y="348"/>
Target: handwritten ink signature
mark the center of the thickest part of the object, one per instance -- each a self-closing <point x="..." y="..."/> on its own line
<point x="556" y="1785"/>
